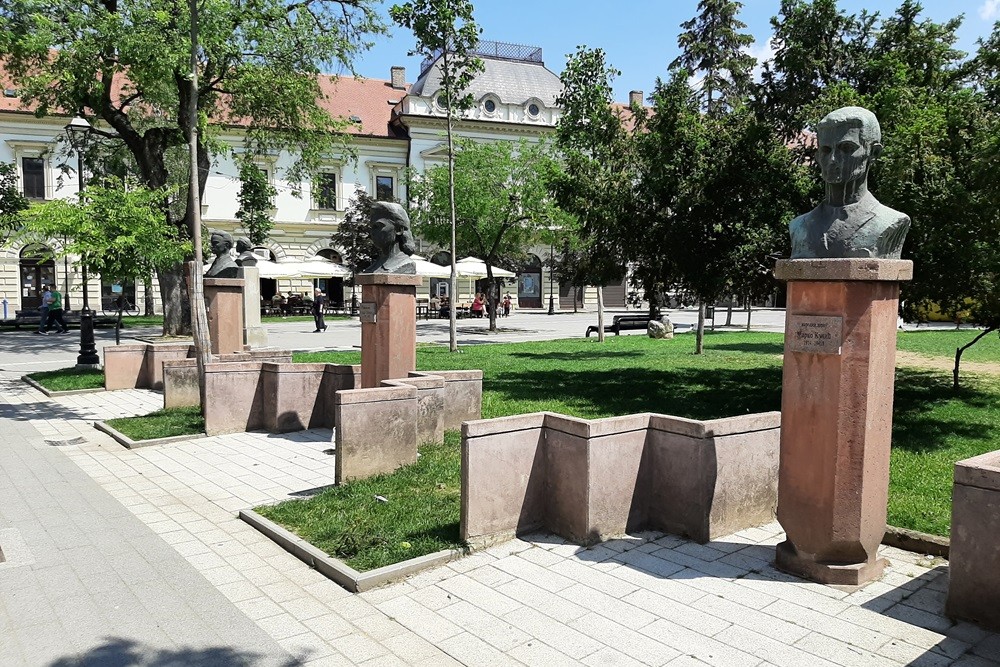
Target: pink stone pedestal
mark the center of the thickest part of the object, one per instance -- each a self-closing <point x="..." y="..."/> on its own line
<point x="224" y="299"/>
<point x="836" y="415"/>
<point x="388" y="326"/>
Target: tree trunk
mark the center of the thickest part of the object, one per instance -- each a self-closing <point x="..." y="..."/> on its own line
<point x="176" y="306"/>
<point x="959" y="351"/>
<point x="600" y="314"/>
<point x="729" y="314"/>
<point x="149" y="305"/>
<point x="699" y="337"/>
<point x="453" y="283"/>
<point x="749" y="311"/>
<point x="492" y="291"/>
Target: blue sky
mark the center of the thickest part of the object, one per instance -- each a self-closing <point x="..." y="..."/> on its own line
<point x="639" y="36"/>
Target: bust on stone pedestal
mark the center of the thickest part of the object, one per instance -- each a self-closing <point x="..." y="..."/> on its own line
<point x="224" y="265"/>
<point x="390" y="230"/>
<point x="849" y="222"/>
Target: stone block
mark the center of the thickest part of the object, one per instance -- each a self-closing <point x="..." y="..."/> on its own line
<point x="618" y="476"/>
<point x="503" y="478"/>
<point x="376" y="431"/>
<point x="180" y="383"/>
<point x="974" y="566"/>
<point x="125" y="367"/>
<point x="430" y="406"/>
<point x="291" y="396"/>
<point x="254" y="335"/>
<point x="463" y="396"/>
<point x="224" y="301"/>
<point x="157" y="353"/>
<point x="335" y="378"/>
<point x="234" y="398"/>
<point x="389" y="337"/>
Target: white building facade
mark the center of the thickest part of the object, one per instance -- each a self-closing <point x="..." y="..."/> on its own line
<point x="394" y="126"/>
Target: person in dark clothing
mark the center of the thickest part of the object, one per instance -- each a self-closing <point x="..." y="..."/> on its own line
<point x="319" y="305"/>
<point x="56" y="312"/>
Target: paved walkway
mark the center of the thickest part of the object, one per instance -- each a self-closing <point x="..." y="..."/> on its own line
<point x="120" y="557"/>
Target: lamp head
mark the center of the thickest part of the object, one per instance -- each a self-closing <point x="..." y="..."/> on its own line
<point x="77" y="131"/>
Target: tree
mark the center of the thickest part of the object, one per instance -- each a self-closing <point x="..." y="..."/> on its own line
<point x="121" y="233"/>
<point x="256" y="200"/>
<point x="128" y="65"/>
<point x="502" y="193"/>
<point x="596" y="183"/>
<point x="712" y="47"/>
<point x="447" y="29"/>
<point x="353" y="237"/>
<point x="12" y="202"/>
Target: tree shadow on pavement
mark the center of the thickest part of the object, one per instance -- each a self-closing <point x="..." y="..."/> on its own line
<point x="119" y="652"/>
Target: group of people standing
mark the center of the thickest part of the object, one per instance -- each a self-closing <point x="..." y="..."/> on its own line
<point x="481" y="306"/>
<point x="51" y="311"/>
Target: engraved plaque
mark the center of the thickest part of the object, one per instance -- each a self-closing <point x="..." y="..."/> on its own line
<point x="814" y="333"/>
<point x="367" y="312"/>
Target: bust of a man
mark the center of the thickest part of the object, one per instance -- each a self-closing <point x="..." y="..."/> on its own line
<point x="849" y="222"/>
<point x="390" y="230"/>
<point x="224" y="265"/>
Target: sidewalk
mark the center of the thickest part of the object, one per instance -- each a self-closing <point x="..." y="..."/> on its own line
<point x="135" y="557"/>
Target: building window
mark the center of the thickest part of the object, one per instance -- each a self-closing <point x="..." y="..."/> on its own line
<point x="533" y="110"/>
<point x="490" y="106"/>
<point x="384" y="190"/>
<point x="33" y="177"/>
<point x="326" y="191"/>
<point x="441" y="102"/>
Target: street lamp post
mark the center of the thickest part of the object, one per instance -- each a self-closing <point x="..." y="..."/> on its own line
<point x="78" y="131"/>
<point x="552" y="264"/>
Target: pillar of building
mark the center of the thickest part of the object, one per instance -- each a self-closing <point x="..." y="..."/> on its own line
<point x="224" y="301"/>
<point x="836" y="415"/>
<point x="388" y="316"/>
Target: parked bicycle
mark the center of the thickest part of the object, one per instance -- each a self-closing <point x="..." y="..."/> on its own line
<point x="110" y="306"/>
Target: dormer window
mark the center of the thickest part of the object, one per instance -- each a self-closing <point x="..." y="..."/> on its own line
<point x="533" y="110"/>
<point x="441" y="103"/>
<point x="490" y="106"/>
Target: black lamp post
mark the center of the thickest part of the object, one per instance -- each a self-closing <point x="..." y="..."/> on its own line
<point x="78" y="131"/>
<point x="552" y="265"/>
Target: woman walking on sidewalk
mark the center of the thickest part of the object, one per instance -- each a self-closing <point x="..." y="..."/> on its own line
<point x="319" y="305"/>
<point x="56" y="311"/>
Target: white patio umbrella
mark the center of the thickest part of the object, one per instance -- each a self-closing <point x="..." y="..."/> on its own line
<point x="474" y="267"/>
<point x="430" y="269"/>
<point x="318" y="267"/>
<point x="275" y="271"/>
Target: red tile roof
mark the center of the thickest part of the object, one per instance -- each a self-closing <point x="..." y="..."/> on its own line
<point x="370" y="100"/>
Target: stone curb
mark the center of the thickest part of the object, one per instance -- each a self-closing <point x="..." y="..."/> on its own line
<point x="56" y="394"/>
<point x="921" y="543"/>
<point x="135" y="444"/>
<point x="339" y="571"/>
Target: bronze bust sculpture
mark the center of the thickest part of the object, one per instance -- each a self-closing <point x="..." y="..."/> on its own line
<point x="390" y="230"/>
<point x="849" y="222"/>
<point x="224" y="265"/>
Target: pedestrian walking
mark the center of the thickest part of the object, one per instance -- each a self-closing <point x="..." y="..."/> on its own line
<point x="44" y="309"/>
<point x="319" y="305"/>
<point x="55" y="312"/>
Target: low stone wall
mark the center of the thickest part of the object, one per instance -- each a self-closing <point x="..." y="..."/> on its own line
<point x="139" y="365"/>
<point x="588" y="480"/>
<point x="180" y="376"/>
<point x="974" y="565"/>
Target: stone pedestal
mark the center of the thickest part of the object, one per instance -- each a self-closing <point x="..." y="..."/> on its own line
<point x="974" y="560"/>
<point x="254" y="335"/>
<point x="224" y="300"/>
<point x="388" y="326"/>
<point x="836" y="415"/>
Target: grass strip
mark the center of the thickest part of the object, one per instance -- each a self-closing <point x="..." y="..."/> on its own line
<point x="165" y="423"/>
<point x="739" y="373"/>
<point x="944" y="343"/>
<point x="70" y="379"/>
<point x="419" y="514"/>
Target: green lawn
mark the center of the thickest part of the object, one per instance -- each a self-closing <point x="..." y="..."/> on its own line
<point x="739" y="373"/>
<point x="419" y="515"/>
<point x="161" y="424"/>
<point x="69" y="379"/>
<point x="943" y="344"/>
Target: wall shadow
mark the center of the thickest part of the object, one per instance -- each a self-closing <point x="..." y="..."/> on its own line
<point x="120" y="652"/>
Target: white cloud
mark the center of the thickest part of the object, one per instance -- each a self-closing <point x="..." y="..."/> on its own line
<point x="764" y="52"/>
<point x="989" y="10"/>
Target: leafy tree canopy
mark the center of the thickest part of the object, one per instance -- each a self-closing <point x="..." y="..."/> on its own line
<point x="12" y="202"/>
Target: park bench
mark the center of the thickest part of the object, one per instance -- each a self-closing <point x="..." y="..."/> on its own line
<point x="622" y="323"/>
<point x="33" y="317"/>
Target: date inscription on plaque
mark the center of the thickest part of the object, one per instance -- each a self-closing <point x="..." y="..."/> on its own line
<point x="367" y="312"/>
<point x="814" y="333"/>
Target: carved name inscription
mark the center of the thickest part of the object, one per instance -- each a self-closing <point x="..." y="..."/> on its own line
<point x="367" y="312"/>
<point x="814" y="333"/>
